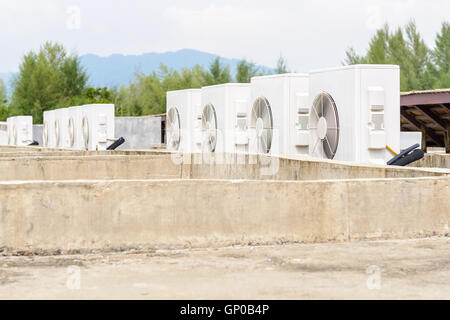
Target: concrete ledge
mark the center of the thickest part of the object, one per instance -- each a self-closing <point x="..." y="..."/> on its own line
<point x="85" y="215"/>
<point x="90" y="167"/>
<point x="157" y="166"/>
<point x="434" y="160"/>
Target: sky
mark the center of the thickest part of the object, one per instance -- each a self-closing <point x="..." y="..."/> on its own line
<point x="309" y="34"/>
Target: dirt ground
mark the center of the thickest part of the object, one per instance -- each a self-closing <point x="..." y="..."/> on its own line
<point x="413" y="269"/>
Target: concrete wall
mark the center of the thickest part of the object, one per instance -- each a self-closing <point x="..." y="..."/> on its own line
<point x="72" y="215"/>
<point x="433" y="160"/>
<point x="162" y="166"/>
<point x="3" y="133"/>
<point x="139" y="132"/>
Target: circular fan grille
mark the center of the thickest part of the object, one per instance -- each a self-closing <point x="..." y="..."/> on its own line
<point x="173" y="129"/>
<point x="262" y="123"/>
<point x="85" y="128"/>
<point x="324" y="126"/>
<point x="71" y="132"/>
<point x="57" y="133"/>
<point x="209" y="128"/>
<point x="15" y="134"/>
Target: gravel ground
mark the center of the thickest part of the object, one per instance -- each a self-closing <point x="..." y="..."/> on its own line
<point x="412" y="269"/>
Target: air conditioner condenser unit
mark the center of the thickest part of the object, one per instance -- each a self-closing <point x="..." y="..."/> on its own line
<point x="279" y="113"/>
<point x="355" y="113"/>
<point x="224" y="118"/>
<point x="181" y="119"/>
<point x="97" y="126"/>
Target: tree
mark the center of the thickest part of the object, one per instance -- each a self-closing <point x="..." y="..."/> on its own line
<point x="217" y="74"/>
<point x="246" y="71"/>
<point x="353" y="58"/>
<point x="441" y="56"/>
<point x="47" y="80"/>
<point x="4" y="112"/>
<point x="282" y="66"/>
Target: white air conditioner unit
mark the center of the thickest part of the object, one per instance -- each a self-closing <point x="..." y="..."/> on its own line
<point x="224" y="118"/>
<point x="48" y="129"/>
<point x="97" y="126"/>
<point x="75" y="134"/>
<point x="62" y="128"/>
<point x="278" y="114"/>
<point x="355" y="113"/>
<point x="9" y="123"/>
<point x="20" y="131"/>
<point x="181" y="119"/>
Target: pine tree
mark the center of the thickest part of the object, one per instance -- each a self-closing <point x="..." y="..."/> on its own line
<point x="245" y="71"/>
<point x="441" y="57"/>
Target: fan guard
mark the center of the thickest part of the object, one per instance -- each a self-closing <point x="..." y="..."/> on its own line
<point x="85" y="130"/>
<point x="209" y="128"/>
<point x="173" y="129"/>
<point x="57" y="133"/>
<point x="324" y="126"/>
<point x="261" y="123"/>
<point x="71" y="132"/>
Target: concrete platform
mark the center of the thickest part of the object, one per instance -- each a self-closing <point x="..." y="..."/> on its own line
<point x="155" y="165"/>
<point x="109" y="215"/>
<point x="406" y="269"/>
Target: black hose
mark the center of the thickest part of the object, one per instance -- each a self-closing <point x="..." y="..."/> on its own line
<point x="34" y="143"/>
<point x="410" y="158"/>
<point x="116" y="144"/>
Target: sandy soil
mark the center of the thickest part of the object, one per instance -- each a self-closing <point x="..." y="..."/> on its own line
<point x="414" y="269"/>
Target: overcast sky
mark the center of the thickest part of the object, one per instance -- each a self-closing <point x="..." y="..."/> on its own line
<point x="310" y="34"/>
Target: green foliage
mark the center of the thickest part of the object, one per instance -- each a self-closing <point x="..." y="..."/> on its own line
<point x="282" y="66"/>
<point x="4" y="112"/>
<point x="47" y="80"/>
<point x="246" y="71"/>
<point x="217" y="74"/>
<point x="146" y="94"/>
<point x="441" y="57"/>
<point x="420" y="67"/>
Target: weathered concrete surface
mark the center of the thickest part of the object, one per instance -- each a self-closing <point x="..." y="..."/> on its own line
<point x="408" y="269"/>
<point x="433" y="160"/>
<point x="71" y="215"/>
<point x="218" y="166"/>
<point x="139" y="132"/>
<point x="89" y="167"/>
<point x="80" y="165"/>
<point x="77" y="153"/>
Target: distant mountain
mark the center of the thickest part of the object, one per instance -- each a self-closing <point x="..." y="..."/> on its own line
<point x="119" y="69"/>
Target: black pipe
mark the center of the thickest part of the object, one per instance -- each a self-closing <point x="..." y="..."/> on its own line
<point x="34" y="143"/>
<point x="116" y="144"/>
<point x="410" y="158"/>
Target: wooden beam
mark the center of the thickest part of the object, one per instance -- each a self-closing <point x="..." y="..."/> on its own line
<point x="433" y="117"/>
<point x="445" y="106"/>
<point x="425" y="98"/>
<point x="428" y="133"/>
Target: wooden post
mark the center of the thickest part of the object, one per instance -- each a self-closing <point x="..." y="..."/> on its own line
<point x="424" y="138"/>
<point x="447" y="139"/>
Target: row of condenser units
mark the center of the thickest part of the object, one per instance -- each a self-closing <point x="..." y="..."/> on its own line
<point x="349" y="113"/>
<point x="88" y="127"/>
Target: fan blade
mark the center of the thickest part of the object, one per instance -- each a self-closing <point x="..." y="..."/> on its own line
<point x="315" y="146"/>
<point x="255" y="116"/>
